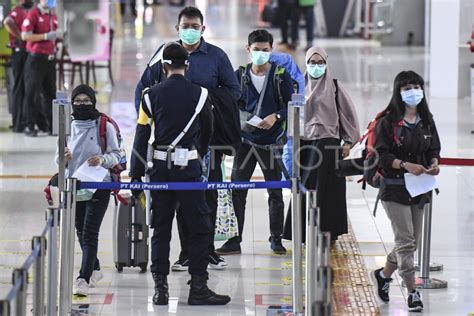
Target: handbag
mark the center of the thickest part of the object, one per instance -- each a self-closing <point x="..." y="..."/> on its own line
<point x="226" y="221"/>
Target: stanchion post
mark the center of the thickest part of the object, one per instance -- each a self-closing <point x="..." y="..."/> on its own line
<point x="311" y="231"/>
<point x="20" y="275"/>
<point x="424" y="280"/>
<point x="4" y="308"/>
<point x="64" y="276"/>
<point x="39" y="275"/>
<point x="61" y="127"/>
<point x="324" y="249"/>
<point x="72" y="188"/>
<point x="52" y="296"/>
<point x="294" y="111"/>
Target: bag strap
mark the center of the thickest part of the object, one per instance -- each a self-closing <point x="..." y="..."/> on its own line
<point x="200" y="105"/>
<point x="103" y="132"/>
<point x="336" y="92"/>
<point x="279" y="71"/>
<point x="243" y="78"/>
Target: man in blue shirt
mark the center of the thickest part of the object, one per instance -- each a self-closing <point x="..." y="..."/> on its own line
<point x="210" y="68"/>
<point x="266" y="91"/>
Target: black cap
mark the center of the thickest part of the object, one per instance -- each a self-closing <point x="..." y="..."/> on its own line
<point x="83" y="89"/>
<point x="174" y="54"/>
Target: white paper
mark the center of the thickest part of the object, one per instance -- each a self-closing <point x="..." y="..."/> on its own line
<point x="417" y="185"/>
<point x="254" y="121"/>
<point x="88" y="173"/>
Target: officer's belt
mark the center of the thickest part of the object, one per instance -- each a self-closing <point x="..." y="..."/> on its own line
<point x="163" y="155"/>
<point x="48" y="57"/>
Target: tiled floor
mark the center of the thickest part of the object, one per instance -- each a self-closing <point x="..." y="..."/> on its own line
<point x="254" y="279"/>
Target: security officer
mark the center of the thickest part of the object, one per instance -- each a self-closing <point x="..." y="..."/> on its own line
<point x="179" y="140"/>
<point x="13" y="24"/>
<point x="39" y="31"/>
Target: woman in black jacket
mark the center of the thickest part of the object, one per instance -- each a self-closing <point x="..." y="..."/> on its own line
<point x="406" y="141"/>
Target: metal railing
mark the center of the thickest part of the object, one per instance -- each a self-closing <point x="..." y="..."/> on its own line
<point x="15" y="301"/>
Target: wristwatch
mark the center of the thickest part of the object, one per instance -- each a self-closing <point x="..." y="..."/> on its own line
<point x="278" y="116"/>
<point x="402" y="164"/>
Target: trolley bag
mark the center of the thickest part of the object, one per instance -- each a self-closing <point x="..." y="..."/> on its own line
<point x="130" y="240"/>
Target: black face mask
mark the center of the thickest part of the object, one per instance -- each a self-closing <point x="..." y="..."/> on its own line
<point x="28" y="5"/>
<point x="85" y="112"/>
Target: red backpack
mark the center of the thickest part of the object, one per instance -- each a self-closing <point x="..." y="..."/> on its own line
<point x="372" y="174"/>
<point x="115" y="171"/>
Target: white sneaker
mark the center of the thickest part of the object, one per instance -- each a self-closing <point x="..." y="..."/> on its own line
<point x="81" y="287"/>
<point x="95" y="278"/>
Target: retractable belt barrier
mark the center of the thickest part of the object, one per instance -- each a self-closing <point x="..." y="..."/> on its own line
<point x="457" y="162"/>
<point x="185" y="186"/>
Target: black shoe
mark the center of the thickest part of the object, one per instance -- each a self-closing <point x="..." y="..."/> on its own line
<point x="383" y="285"/>
<point x="161" y="289"/>
<point x="31" y="132"/>
<point x="231" y="247"/>
<point x="216" y="262"/>
<point x="200" y="294"/>
<point x="414" y="302"/>
<point x="277" y="247"/>
<point x="181" y="265"/>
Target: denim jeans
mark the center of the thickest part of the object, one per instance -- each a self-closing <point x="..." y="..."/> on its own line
<point x="89" y="216"/>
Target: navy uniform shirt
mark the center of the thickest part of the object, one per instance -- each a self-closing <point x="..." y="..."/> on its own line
<point x="170" y="111"/>
<point x="209" y="67"/>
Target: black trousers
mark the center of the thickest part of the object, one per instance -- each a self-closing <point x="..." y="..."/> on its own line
<point x="308" y="13"/>
<point x="195" y="215"/>
<point x="18" y="61"/>
<point x="215" y="175"/>
<point x="286" y="9"/>
<point x="40" y="78"/>
<point x="89" y="216"/>
<point x="245" y="162"/>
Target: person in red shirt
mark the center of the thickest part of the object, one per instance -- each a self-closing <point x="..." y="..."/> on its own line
<point x="13" y="24"/>
<point x="39" y="32"/>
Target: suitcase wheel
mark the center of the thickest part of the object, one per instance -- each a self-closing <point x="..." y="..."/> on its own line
<point x="119" y="267"/>
<point x="143" y="267"/>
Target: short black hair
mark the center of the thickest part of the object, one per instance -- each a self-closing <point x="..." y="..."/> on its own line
<point x="176" y="54"/>
<point x="260" y="36"/>
<point x="191" y="12"/>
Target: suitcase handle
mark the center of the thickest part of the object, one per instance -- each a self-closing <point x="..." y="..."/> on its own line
<point x="136" y="233"/>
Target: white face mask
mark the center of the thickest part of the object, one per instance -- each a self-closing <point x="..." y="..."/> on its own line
<point x="412" y="97"/>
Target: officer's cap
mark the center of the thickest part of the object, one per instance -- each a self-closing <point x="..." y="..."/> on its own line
<point x="174" y="54"/>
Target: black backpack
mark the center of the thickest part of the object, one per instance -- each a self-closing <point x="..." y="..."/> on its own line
<point x="226" y="136"/>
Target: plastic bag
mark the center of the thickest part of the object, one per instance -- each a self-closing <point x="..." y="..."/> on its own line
<point x="226" y="221"/>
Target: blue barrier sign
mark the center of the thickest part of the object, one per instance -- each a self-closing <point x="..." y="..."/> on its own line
<point x="183" y="186"/>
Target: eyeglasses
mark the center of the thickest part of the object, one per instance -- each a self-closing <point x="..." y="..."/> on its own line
<point x="196" y="27"/>
<point x="319" y="62"/>
<point x="82" y="102"/>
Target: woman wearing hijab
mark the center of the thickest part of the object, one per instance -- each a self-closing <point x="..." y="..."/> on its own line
<point x="83" y="147"/>
<point x="331" y="127"/>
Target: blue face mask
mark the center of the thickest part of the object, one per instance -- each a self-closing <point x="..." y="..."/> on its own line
<point x="260" y="58"/>
<point x="189" y="36"/>
<point x="316" y="71"/>
<point x="51" y="4"/>
<point x="412" y="97"/>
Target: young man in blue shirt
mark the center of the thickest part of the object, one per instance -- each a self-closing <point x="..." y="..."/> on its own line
<point x="210" y="68"/>
<point x="266" y="91"/>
